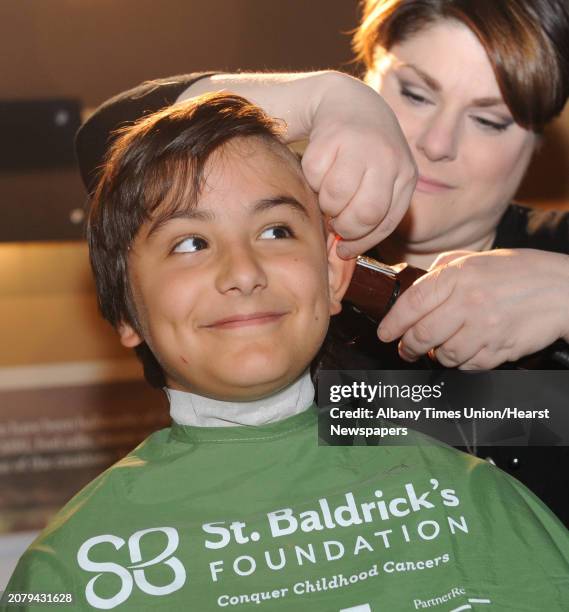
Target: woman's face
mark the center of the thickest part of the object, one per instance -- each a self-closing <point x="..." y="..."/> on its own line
<point x="470" y="154"/>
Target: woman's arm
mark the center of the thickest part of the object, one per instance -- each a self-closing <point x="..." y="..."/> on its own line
<point x="357" y="158"/>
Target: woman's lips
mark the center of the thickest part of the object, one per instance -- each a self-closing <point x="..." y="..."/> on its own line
<point x="430" y="185"/>
<point x="257" y="318"/>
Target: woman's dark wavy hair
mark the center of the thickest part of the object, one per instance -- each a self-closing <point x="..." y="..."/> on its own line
<point x="527" y="43"/>
<point x="153" y="168"/>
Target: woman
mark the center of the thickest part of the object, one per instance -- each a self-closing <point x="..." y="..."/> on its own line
<point x="473" y="84"/>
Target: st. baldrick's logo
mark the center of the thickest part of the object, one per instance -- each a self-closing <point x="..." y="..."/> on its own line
<point x="133" y="574"/>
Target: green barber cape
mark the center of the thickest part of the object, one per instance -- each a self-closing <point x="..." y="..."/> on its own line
<point x="262" y="518"/>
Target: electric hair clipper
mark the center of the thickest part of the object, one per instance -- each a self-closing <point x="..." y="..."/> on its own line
<point x="376" y="286"/>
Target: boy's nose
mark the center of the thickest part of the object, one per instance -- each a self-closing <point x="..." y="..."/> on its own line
<point x="439" y="138"/>
<point x="241" y="271"/>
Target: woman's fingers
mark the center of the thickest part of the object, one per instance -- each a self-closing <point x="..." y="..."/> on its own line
<point x="423" y="297"/>
<point x="339" y="187"/>
<point x="434" y="330"/>
<point x="379" y="204"/>
<point x="365" y="202"/>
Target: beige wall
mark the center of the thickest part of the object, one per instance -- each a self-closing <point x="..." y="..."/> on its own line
<point x="72" y="400"/>
<point x="48" y="310"/>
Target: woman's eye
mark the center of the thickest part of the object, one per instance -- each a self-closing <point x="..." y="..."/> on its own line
<point x="278" y="232"/>
<point x="413" y="97"/>
<point x="495" y="126"/>
<point x="190" y="245"/>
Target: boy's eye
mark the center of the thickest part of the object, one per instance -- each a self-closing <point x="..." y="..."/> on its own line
<point x="413" y="97"/>
<point x="277" y="232"/>
<point x="190" y="245"/>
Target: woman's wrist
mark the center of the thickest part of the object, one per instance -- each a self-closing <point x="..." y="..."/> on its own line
<point x="340" y="98"/>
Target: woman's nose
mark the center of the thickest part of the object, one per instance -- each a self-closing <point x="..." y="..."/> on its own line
<point x="241" y="271"/>
<point x="439" y="138"/>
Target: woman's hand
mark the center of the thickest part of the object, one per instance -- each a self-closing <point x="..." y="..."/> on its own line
<point x="359" y="163"/>
<point x="357" y="158"/>
<point x="478" y="310"/>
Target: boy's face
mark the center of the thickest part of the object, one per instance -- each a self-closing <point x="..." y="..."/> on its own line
<point x="234" y="296"/>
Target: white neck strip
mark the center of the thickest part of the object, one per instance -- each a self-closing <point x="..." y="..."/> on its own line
<point x="199" y="411"/>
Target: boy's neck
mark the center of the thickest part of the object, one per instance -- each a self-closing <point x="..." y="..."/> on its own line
<point x="199" y="411"/>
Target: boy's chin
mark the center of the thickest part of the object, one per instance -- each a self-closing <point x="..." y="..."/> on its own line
<point x="241" y="387"/>
<point x="245" y="375"/>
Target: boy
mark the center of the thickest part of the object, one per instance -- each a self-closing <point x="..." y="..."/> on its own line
<point x="212" y="260"/>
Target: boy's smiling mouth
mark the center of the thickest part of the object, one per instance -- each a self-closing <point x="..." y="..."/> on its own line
<point x="245" y="320"/>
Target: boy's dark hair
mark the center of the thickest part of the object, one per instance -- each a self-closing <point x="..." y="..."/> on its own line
<point x="156" y="166"/>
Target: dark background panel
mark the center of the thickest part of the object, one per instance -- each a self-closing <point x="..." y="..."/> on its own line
<point x="91" y="49"/>
<point x="88" y="50"/>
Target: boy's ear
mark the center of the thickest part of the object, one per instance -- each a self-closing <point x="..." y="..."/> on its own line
<point x="339" y="274"/>
<point x="129" y="337"/>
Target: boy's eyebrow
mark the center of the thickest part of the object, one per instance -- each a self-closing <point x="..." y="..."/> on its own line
<point x="200" y="215"/>
<point x="280" y="200"/>
<point x="207" y="215"/>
